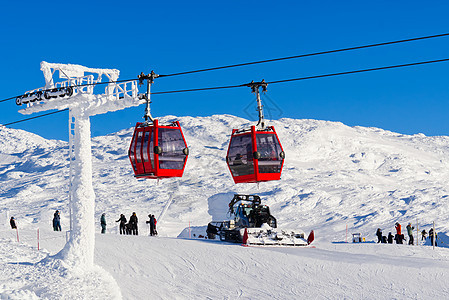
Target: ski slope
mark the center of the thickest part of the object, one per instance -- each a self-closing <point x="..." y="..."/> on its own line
<point x="335" y="177"/>
<point x="145" y="267"/>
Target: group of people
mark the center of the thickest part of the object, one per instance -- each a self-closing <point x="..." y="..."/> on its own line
<point x="399" y="237"/>
<point x="431" y="235"/>
<point x="125" y="227"/>
<point x="132" y="228"/>
<point x="152" y="223"/>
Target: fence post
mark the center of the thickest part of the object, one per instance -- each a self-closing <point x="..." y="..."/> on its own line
<point x="417" y="232"/>
<point x="38" y="239"/>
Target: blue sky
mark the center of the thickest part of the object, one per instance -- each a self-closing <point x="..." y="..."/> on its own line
<point x="174" y="36"/>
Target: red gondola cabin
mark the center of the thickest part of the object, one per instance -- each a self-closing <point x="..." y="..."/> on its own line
<point x="255" y="155"/>
<point x="158" y="151"/>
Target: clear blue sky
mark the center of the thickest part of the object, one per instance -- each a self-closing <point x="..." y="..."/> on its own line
<point x="173" y="36"/>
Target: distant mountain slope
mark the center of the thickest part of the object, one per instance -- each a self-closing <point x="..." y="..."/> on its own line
<point x="334" y="175"/>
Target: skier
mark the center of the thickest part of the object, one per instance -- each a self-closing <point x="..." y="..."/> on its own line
<point x="13" y="223"/>
<point x="133" y="222"/>
<point x="379" y="235"/>
<point x="122" y="221"/>
<point x="390" y="238"/>
<point x="423" y="235"/>
<point x="151" y="222"/>
<point x="103" y="223"/>
<point x="56" y="221"/>
<point x="410" y="233"/>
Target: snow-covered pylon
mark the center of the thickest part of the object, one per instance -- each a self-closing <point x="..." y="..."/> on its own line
<point x="76" y="93"/>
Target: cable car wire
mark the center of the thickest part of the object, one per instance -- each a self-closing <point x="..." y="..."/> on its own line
<point x="10" y="98"/>
<point x="200" y="89"/>
<point x="269" y="60"/>
<point x="270" y="82"/>
<point x="308" y="54"/>
<point x="310" y="77"/>
<point x="361" y="71"/>
<point x="31" y="118"/>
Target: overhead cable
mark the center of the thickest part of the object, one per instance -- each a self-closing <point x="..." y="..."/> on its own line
<point x="272" y="60"/>
<point x="35" y="117"/>
<point x="270" y="82"/>
<point x="309" y="54"/>
<point x="311" y="77"/>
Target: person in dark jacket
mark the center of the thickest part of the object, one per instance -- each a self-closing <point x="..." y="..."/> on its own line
<point x="423" y="235"/>
<point x="410" y="233"/>
<point x="431" y="237"/>
<point x="133" y="223"/>
<point x="379" y="235"/>
<point x="151" y="222"/>
<point x="56" y="221"/>
<point x="13" y="223"/>
<point x="390" y="238"/>
<point x="103" y="223"/>
<point x="122" y="221"/>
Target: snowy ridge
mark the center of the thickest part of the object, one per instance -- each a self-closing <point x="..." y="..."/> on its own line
<point x="334" y="175"/>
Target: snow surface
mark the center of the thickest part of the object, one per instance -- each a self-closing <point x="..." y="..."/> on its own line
<point x="334" y="177"/>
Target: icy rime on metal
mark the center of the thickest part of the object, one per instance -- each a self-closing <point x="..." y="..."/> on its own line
<point x="76" y="93"/>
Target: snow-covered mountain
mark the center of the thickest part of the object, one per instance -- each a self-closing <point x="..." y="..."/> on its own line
<point x="334" y="177"/>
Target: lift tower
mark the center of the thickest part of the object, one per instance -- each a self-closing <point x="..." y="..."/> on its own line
<point x="76" y="93"/>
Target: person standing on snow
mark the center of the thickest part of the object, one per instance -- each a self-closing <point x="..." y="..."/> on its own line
<point x="151" y="222"/>
<point x="390" y="238"/>
<point x="122" y="221"/>
<point x="56" y="221"/>
<point x="379" y="235"/>
<point x="13" y="223"/>
<point x="398" y="236"/>
<point x="431" y="237"/>
<point x="133" y="222"/>
<point x="410" y="233"/>
<point x="398" y="228"/>
<point x="103" y="223"/>
<point x="155" y="223"/>
<point x="423" y="235"/>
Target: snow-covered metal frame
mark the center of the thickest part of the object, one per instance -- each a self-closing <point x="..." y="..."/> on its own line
<point x="82" y="103"/>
